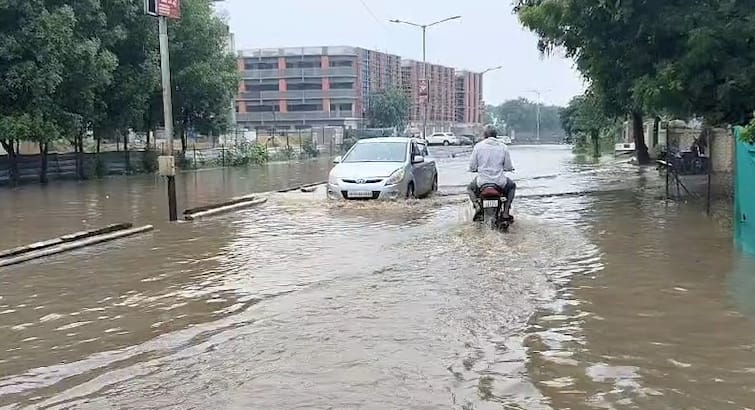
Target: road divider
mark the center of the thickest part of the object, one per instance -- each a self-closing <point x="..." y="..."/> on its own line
<point x="63" y="239"/>
<point x="222" y="207"/>
<point x="302" y="187"/>
<point x="69" y="242"/>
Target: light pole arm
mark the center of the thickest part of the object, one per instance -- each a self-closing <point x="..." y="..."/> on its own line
<point x="406" y="22"/>
<point x="444" y="20"/>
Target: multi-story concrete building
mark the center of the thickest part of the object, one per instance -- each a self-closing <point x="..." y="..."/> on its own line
<point x="469" y="105"/>
<point x="311" y="87"/>
<point x="441" y="94"/>
<point x="330" y="86"/>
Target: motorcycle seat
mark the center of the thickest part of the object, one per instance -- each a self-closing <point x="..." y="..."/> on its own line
<point x="491" y="190"/>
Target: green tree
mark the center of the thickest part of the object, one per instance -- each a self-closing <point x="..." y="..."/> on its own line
<point x="389" y="109"/>
<point x="204" y="72"/>
<point x="68" y="67"/>
<point x="613" y="43"/>
<point x="584" y="117"/>
<point x="88" y="68"/>
<point x="126" y="99"/>
<point x="33" y="46"/>
<point x="708" y="66"/>
<point x="521" y="115"/>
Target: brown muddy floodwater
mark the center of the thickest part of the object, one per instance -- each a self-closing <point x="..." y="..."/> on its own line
<point x="601" y="297"/>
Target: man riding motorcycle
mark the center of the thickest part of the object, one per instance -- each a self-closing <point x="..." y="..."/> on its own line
<point x="490" y="160"/>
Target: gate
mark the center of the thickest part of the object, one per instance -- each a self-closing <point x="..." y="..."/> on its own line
<point x="744" y="195"/>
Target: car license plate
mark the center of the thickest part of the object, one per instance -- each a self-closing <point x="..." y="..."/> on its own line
<point x="490" y="203"/>
<point x="360" y="194"/>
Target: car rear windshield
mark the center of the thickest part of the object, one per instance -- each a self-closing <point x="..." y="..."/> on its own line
<point x="377" y="152"/>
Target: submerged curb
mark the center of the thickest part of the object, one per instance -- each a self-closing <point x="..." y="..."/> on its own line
<point x="298" y="187"/>
<point x="81" y="242"/>
<point x="209" y="210"/>
<point x="63" y="239"/>
<point x="232" y="201"/>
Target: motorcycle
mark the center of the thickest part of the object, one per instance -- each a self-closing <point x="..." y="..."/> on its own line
<point x="491" y="203"/>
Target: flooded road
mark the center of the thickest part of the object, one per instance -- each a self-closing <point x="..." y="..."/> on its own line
<point x="601" y="296"/>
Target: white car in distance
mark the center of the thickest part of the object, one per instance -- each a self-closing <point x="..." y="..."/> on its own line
<point x="443" y="138"/>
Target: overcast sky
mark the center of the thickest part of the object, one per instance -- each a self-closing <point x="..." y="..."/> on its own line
<point x="488" y="35"/>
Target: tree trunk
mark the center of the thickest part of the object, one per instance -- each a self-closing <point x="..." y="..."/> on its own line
<point x="127" y="154"/>
<point x="80" y="156"/>
<point x="43" y="149"/>
<point x="595" y="136"/>
<point x="13" y="175"/>
<point x="99" y="143"/>
<point x="183" y="141"/>
<point x="149" y="132"/>
<point x="641" y="149"/>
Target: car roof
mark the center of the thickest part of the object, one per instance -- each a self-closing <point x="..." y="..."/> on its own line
<point x="383" y="139"/>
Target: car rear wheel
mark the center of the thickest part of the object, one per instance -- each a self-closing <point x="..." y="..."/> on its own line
<point x="435" y="183"/>
<point x="446" y="143"/>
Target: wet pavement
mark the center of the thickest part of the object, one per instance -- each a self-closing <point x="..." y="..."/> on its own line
<point x="601" y="296"/>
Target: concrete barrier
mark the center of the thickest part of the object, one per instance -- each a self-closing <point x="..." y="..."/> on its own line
<point x="63" y="239"/>
<point x="209" y="210"/>
<point x="232" y="201"/>
<point x="76" y="244"/>
<point x="298" y="187"/>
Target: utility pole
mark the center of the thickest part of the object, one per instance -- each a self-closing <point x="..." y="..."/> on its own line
<point x="164" y="9"/>
<point x="167" y="162"/>
<point x="424" y="80"/>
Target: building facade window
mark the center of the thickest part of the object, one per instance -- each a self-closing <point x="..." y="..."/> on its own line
<point x="302" y="64"/>
<point x="254" y="86"/>
<point x="304" y="86"/>
<point x="304" y="107"/>
<point x="342" y="107"/>
<point x="262" y="108"/>
<point x="260" y="65"/>
<point x="341" y="63"/>
<point x="342" y="85"/>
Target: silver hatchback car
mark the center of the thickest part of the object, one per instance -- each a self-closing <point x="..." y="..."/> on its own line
<point x="383" y="168"/>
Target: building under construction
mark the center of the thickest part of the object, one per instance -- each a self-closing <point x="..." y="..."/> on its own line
<point x="469" y="104"/>
<point x="303" y="87"/>
<point x="441" y="94"/>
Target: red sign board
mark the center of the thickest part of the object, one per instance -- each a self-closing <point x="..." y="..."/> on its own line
<point x="169" y="8"/>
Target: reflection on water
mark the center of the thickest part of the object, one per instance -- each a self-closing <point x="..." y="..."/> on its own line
<point x="604" y="300"/>
<point x="33" y="213"/>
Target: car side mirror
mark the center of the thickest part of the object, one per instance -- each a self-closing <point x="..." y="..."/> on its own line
<point x="337" y="160"/>
<point x="418" y="159"/>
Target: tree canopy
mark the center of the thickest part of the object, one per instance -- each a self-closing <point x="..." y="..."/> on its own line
<point x="521" y="115"/>
<point x="584" y="117"/>
<point x="389" y="109"/>
<point x="70" y="67"/>
<point x="655" y="56"/>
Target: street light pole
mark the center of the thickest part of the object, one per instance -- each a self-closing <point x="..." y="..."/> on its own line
<point x="424" y="77"/>
<point x="482" y="74"/>
<point x="167" y="161"/>
<point x="538" y="103"/>
<point x="424" y="28"/>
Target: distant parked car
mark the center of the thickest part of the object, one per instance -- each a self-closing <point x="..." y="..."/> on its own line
<point x="383" y="168"/>
<point x="467" y="139"/>
<point x="505" y="138"/>
<point x="443" y="138"/>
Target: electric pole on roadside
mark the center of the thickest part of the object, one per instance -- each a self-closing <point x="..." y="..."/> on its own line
<point x="163" y="10"/>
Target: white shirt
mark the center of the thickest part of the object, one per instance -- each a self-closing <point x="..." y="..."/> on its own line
<point x="491" y="159"/>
